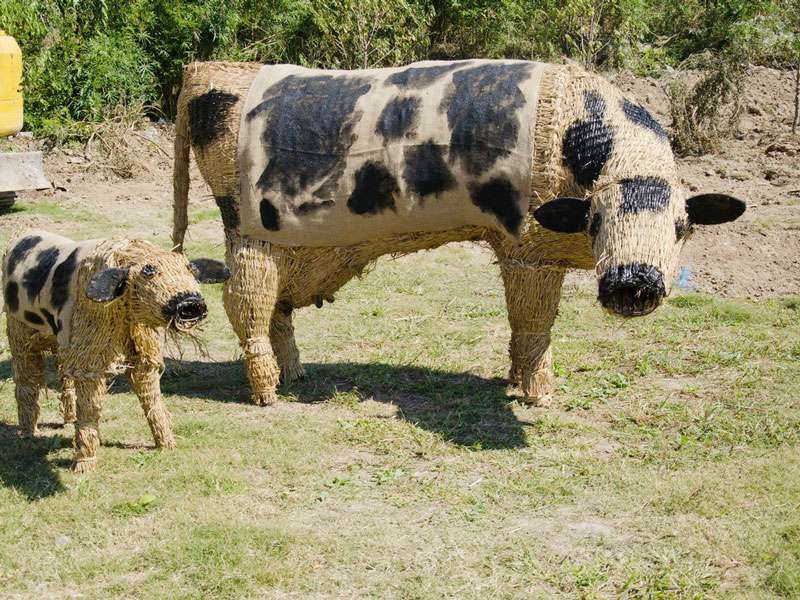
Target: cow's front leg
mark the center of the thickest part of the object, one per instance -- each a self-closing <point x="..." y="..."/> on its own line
<point x="281" y="335"/>
<point x="532" y="296"/>
<point x="249" y="296"/>
<point x="89" y="394"/>
<point x="145" y="377"/>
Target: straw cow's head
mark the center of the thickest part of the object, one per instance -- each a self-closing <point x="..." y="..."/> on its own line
<point x="160" y="287"/>
<point x="620" y="186"/>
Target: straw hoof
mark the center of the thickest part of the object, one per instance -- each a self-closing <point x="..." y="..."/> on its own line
<point x="265" y="398"/>
<point x="540" y="401"/>
<point x="168" y="444"/>
<point x="83" y="466"/>
<point x="292" y="372"/>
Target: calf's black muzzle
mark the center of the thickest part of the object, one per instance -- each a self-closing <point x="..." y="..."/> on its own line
<point x="185" y="310"/>
<point x="632" y="290"/>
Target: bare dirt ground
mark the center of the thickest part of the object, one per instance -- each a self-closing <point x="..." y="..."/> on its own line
<point x="758" y="256"/>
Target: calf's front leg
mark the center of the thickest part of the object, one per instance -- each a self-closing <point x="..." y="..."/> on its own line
<point x="532" y="296"/>
<point x="27" y="363"/>
<point x="281" y="336"/>
<point x="89" y="394"/>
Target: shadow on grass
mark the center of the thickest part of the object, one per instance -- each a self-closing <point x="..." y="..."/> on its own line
<point x="464" y="408"/>
<point x="24" y="462"/>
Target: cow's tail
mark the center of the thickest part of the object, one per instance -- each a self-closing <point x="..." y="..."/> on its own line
<point x="180" y="176"/>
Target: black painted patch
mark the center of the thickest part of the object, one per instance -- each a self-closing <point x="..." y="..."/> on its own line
<point x="35" y="278"/>
<point x="644" y="193"/>
<point x="398" y="118"/>
<point x="641" y="116"/>
<point x="51" y="321"/>
<point x="499" y="197"/>
<point x="420" y="77"/>
<point x="20" y="252"/>
<point x="588" y="143"/>
<point x="310" y="207"/>
<point x="597" y="222"/>
<point x="107" y="285"/>
<point x="270" y="218"/>
<point x="59" y="292"/>
<point x="632" y="290"/>
<point x="229" y="209"/>
<point x="482" y="113"/>
<point x="11" y="296"/>
<point x="681" y="229"/>
<point x="33" y="318"/>
<point x="308" y="129"/>
<point x="425" y="171"/>
<point x="208" y="114"/>
<point x="374" y="190"/>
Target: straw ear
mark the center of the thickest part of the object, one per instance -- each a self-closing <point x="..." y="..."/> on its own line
<point x="564" y="215"/>
<point x="207" y="270"/>
<point x="713" y="209"/>
<point x="107" y="285"/>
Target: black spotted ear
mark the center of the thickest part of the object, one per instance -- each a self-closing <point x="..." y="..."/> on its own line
<point x="713" y="209"/>
<point x="564" y="215"/>
<point x="207" y="270"/>
<point x="107" y="285"/>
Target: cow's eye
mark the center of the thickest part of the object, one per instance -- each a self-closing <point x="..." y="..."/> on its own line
<point x="149" y="271"/>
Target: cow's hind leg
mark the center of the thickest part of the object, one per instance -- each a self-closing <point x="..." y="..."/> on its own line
<point x="281" y="334"/>
<point x="249" y="296"/>
<point x="27" y="362"/>
<point x="67" y="396"/>
<point x="532" y="296"/>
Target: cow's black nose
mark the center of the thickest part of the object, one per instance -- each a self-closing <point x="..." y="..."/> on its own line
<point x="632" y="290"/>
<point x="186" y="309"/>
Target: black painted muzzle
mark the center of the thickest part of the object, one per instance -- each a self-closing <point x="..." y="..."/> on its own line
<point x="632" y="290"/>
<point x="185" y="310"/>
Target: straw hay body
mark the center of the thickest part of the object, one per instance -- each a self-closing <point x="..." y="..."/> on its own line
<point x="270" y="280"/>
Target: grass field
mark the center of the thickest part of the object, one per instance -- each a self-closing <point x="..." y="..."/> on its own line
<point x="668" y="466"/>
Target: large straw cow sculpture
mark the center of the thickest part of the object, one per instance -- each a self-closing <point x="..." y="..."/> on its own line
<point x="319" y="173"/>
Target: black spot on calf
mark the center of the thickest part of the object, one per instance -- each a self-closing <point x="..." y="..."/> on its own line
<point x="374" y="191"/>
<point x="420" y="77"/>
<point x="11" y="296"/>
<point x="309" y="207"/>
<point x="398" y="118"/>
<point x="644" y="193"/>
<point x="308" y="129"/>
<point x="20" y="252"/>
<point x="229" y="210"/>
<point x="59" y="292"/>
<point x="587" y="144"/>
<point x="482" y="113"/>
<point x="639" y="115"/>
<point x="270" y="218"/>
<point x="208" y="114"/>
<point x="426" y="171"/>
<point x="33" y="318"/>
<point x="51" y="321"/>
<point x="499" y="197"/>
<point x="597" y="222"/>
<point x="681" y="229"/>
<point x="35" y="278"/>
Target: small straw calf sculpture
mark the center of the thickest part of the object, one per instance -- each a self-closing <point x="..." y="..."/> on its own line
<point x="319" y="173"/>
<point x="100" y="306"/>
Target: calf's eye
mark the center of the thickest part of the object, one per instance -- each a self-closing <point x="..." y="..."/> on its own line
<point x="149" y="271"/>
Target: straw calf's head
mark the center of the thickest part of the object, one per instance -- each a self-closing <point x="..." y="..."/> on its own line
<point x="161" y="288"/>
<point x="620" y="186"/>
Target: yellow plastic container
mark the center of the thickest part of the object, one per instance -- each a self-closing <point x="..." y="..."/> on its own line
<point x="10" y="85"/>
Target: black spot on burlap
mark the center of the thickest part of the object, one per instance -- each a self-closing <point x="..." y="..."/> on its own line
<point x="499" y="197"/>
<point x="640" y="115"/>
<point x="208" y="114"/>
<point x="310" y="207"/>
<point x="35" y="278"/>
<point x="374" y="190"/>
<point x="33" y="318"/>
<point x="62" y="276"/>
<point x="425" y="171"/>
<point x="20" y="252"/>
<point x="644" y="193"/>
<point x="398" y="118"/>
<point x="681" y="229"/>
<point x="270" y="218"/>
<point x="229" y="209"/>
<point x="11" y="296"/>
<point x="588" y="143"/>
<point x="420" y="77"/>
<point x="51" y="321"/>
<point x="481" y="108"/>
<point x="308" y="129"/>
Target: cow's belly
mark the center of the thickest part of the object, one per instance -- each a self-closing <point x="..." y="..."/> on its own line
<point x="337" y="158"/>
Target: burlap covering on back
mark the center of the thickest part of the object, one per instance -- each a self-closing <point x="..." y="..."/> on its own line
<point x="335" y="158"/>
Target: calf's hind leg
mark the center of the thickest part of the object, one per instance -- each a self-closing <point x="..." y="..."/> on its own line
<point x="27" y="362"/>
<point x="281" y="335"/>
<point x="532" y="296"/>
<point x="249" y="296"/>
